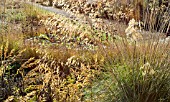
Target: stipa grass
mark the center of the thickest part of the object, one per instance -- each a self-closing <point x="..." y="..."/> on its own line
<point x="134" y="74"/>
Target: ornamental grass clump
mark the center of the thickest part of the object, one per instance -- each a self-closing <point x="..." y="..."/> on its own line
<point x="138" y="73"/>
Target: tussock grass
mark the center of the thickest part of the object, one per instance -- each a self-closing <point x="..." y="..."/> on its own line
<point x="134" y="74"/>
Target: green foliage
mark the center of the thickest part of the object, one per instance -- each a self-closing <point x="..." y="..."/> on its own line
<point x="135" y="75"/>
